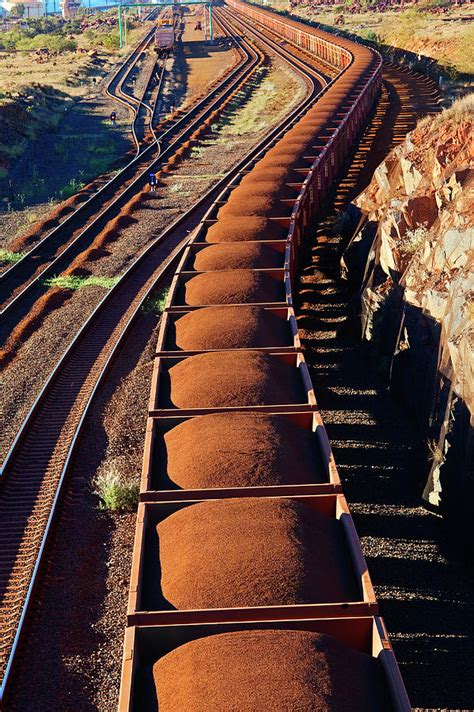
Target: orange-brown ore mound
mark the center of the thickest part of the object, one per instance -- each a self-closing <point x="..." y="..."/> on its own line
<point x="244" y="228"/>
<point x="239" y="255"/>
<point x="278" y="670"/>
<point x="232" y="287"/>
<point x="239" y="378"/>
<point x="240" y="450"/>
<point x="231" y="328"/>
<point x="253" y="552"/>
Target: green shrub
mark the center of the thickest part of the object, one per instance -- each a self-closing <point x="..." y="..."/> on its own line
<point x="71" y="189"/>
<point x="10" y="257"/>
<point x="8" y="40"/>
<point x="55" y="43"/>
<point x="156" y="304"/>
<point x="115" y="494"/>
<point x="111" y="41"/>
<point x="369" y="35"/>
<point x="18" y="10"/>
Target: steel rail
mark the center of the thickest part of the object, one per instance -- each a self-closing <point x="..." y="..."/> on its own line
<point x="140" y="279"/>
<point x="123" y="97"/>
<point x="168" y="141"/>
<point x="136" y="104"/>
<point x="303" y="64"/>
<point x="153" y="108"/>
<point x="118" y="93"/>
<point x="16" y="267"/>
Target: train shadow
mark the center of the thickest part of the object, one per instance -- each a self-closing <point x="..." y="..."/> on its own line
<point x="195" y="49"/>
<point x="424" y="586"/>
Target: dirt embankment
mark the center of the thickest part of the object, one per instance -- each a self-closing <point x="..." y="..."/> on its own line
<point x="47" y="66"/>
<point x="415" y="258"/>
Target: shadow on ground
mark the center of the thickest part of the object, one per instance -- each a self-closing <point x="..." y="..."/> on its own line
<point x="425" y="590"/>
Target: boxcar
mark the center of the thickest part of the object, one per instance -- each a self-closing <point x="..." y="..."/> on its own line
<point x="164" y="38"/>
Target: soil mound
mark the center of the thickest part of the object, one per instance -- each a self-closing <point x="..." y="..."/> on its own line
<point x="278" y="670"/>
<point x="239" y="255"/>
<point x="231" y="328"/>
<point x="232" y="378"/>
<point x="240" y="450"/>
<point x="244" y="228"/>
<point x="253" y="551"/>
<point x="232" y="287"/>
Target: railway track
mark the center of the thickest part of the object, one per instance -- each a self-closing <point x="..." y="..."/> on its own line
<point x="143" y="108"/>
<point x="116" y="88"/>
<point x="24" y="281"/>
<point x="36" y="466"/>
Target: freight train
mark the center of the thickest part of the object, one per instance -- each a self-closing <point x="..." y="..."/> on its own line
<point x="164" y="38"/>
<point x="249" y="588"/>
<point x="164" y="33"/>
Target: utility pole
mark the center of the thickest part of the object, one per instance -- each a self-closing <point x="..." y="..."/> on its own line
<point x="120" y="26"/>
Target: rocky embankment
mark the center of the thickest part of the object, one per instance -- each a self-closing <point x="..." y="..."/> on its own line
<point x="412" y="259"/>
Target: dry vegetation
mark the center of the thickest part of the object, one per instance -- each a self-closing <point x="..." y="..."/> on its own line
<point x="64" y="63"/>
<point x="447" y="37"/>
<point x="77" y="54"/>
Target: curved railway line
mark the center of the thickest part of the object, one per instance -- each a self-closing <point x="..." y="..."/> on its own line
<point x="290" y="174"/>
<point x="36" y="465"/>
<point x="24" y="281"/>
<point x="116" y="88"/>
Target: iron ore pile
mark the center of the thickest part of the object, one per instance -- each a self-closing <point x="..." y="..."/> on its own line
<point x="249" y="588"/>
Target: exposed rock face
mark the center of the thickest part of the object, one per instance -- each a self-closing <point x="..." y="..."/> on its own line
<point x="415" y="258"/>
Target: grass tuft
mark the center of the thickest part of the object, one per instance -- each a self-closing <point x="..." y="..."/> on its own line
<point x="75" y="282"/>
<point x="414" y="239"/>
<point x="10" y="257"/>
<point x="197" y="152"/>
<point x="176" y="187"/>
<point x="73" y="187"/>
<point x="116" y="494"/>
<point x="156" y="305"/>
<point x="460" y="110"/>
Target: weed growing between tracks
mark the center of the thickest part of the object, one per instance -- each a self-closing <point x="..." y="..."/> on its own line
<point x="156" y="304"/>
<point x="75" y="282"/>
<point x="10" y="257"/>
<point x="114" y="492"/>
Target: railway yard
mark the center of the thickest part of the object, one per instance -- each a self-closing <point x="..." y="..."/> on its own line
<point x="210" y="499"/>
